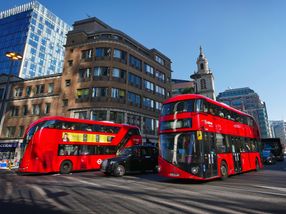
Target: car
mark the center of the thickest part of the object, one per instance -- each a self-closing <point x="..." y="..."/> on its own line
<point x="276" y="147"/>
<point x="268" y="157"/>
<point x="139" y="158"/>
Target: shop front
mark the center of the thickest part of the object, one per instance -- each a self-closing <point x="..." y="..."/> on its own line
<point x="8" y="154"/>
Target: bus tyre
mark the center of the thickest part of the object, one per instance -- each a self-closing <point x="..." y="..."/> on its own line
<point x="119" y="171"/>
<point x="66" y="167"/>
<point x="223" y="171"/>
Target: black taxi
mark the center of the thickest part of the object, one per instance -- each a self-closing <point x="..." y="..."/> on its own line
<point x="139" y="158"/>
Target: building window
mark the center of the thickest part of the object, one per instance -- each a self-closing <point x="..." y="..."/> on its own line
<point x="134" y="80"/>
<point x="81" y="115"/>
<point x="82" y="93"/>
<point x="117" y="93"/>
<point x="86" y="54"/>
<point x="160" y="91"/>
<point x="133" y="119"/>
<point x="47" y="108"/>
<point x="202" y="66"/>
<point x="102" y="52"/>
<point x="149" y="69"/>
<point x="21" y="131"/>
<point x="18" y="92"/>
<point x="203" y="84"/>
<point x="160" y="76"/>
<point x="99" y="115"/>
<point x="100" y="72"/>
<point x="65" y="102"/>
<point x="135" y="62"/>
<point x="28" y="91"/>
<point x="40" y="89"/>
<point x="51" y="88"/>
<point x="1" y="93"/>
<point x="70" y="62"/>
<point x="148" y="126"/>
<point x="118" y="73"/>
<point x="84" y="74"/>
<point x="148" y="103"/>
<point x="14" y="111"/>
<point x="117" y="117"/>
<point x="68" y="83"/>
<point x="158" y="106"/>
<point x="159" y="60"/>
<point x="99" y="92"/>
<point x="134" y="99"/>
<point x="25" y="110"/>
<point x="120" y="55"/>
<point x="36" y="109"/>
<point x="10" y="131"/>
<point x="148" y="85"/>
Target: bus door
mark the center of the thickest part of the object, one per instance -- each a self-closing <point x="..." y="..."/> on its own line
<point x="235" y="149"/>
<point x="210" y="155"/>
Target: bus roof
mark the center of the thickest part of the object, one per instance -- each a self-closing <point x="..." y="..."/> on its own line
<point x="75" y="120"/>
<point x="198" y="96"/>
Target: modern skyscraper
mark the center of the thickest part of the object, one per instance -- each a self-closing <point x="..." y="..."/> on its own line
<point x="245" y="99"/>
<point x="204" y="79"/>
<point x="38" y="35"/>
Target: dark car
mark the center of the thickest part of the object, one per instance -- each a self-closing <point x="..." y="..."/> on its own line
<point x="275" y="146"/>
<point x="138" y="158"/>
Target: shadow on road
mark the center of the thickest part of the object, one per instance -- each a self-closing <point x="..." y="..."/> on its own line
<point x="11" y="208"/>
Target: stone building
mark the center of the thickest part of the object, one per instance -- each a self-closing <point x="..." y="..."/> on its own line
<point x="203" y="77"/>
<point x="109" y="76"/>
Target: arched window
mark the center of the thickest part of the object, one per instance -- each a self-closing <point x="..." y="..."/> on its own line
<point x="203" y="84"/>
<point x="202" y="66"/>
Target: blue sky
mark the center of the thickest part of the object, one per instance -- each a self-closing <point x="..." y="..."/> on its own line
<point x="244" y="41"/>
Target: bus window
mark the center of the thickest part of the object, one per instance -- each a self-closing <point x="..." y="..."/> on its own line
<point x="221" y="148"/>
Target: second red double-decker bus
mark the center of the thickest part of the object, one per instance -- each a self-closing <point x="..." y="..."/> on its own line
<point x="58" y="144"/>
<point x="202" y="139"/>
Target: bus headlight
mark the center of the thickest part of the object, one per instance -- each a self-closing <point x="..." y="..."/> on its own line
<point x="195" y="170"/>
<point x="159" y="168"/>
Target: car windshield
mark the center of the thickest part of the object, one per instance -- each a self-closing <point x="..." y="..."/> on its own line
<point x="125" y="152"/>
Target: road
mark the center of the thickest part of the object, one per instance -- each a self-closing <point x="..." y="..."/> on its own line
<point x="92" y="192"/>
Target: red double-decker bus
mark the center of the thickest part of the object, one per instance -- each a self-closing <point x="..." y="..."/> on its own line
<point x="202" y="139"/>
<point x="58" y="144"/>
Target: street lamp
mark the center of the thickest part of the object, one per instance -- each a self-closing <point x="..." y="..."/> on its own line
<point x="13" y="56"/>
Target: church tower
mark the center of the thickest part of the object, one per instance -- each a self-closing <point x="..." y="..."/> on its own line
<point x="203" y="77"/>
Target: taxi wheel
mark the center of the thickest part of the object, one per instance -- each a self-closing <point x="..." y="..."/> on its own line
<point x="119" y="171"/>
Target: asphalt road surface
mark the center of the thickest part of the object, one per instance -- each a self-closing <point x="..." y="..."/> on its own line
<point x="92" y="192"/>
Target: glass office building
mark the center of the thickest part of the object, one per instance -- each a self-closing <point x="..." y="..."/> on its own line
<point x="245" y="99"/>
<point x="38" y="35"/>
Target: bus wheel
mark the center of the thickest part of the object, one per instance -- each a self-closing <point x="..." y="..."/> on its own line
<point x="223" y="171"/>
<point x="66" y="167"/>
<point x="257" y="166"/>
<point x="119" y="171"/>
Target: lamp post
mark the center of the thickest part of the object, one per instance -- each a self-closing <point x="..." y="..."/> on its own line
<point x="13" y="56"/>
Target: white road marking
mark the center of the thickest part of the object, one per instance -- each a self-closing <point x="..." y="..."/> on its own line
<point x="82" y="181"/>
<point x="274" y="188"/>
